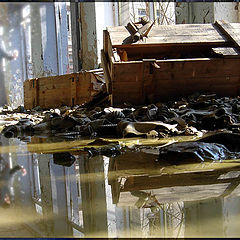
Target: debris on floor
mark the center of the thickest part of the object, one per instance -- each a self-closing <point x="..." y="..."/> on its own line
<point x="195" y="115"/>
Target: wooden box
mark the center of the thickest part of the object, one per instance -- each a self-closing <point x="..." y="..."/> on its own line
<point x="173" y="61"/>
<point x="56" y="91"/>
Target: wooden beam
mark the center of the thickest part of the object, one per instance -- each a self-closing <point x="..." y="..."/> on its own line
<point x="230" y="32"/>
<point x="107" y="76"/>
<point x="36" y="41"/>
<point x="76" y="36"/>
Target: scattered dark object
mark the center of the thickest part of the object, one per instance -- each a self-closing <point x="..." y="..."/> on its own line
<point x="186" y="116"/>
<point x="64" y="159"/>
<point x="219" y="146"/>
<point x="20" y="109"/>
<point x="25" y="125"/>
<point x="107" y="130"/>
<point x="92" y="152"/>
<point x="110" y="150"/>
<point x="230" y="140"/>
<point x="195" y="152"/>
<point x="115" y="117"/>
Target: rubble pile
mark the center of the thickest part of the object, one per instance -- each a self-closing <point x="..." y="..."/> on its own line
<point x="195" y="114"/>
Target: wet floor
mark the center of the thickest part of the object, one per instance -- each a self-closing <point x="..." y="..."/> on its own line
<point x="130" y="195"/>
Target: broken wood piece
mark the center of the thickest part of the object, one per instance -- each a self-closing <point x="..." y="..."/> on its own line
<point x="142" y="32"/>
<point x="131" y="27"/>
<point x="138" y="33"/>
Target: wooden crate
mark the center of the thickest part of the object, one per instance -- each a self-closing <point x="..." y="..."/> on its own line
<point x="56" y="91"/>
<point x="174" y="61"/>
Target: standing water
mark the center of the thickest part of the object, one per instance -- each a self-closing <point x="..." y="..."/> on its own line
<point x="61" y="191"/>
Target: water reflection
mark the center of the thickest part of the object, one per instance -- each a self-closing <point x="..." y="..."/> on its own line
<point x="130" y="195"/>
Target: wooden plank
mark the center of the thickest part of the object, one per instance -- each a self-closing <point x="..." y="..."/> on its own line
<point x="69" y="89"/>
<point x="201" y="33"/>
<point x="169" y="29"/>
<point x="127" y="72"/>
<point x="231" y="32"/>
<point x="73" y="91"/>
<point x="148" y="81"/>
<point x="83" y="88"/>
<point x="182" y="39"/>
<point x="195" y="69"/>
<point x="53" y="98"/>
<point x="226" y="52"/>
<point x="107" y="76"/>
<point x="166" y="92"/>
<point x="109" y="49"/>
<point x="31" y="96"/>
<point x="105" y="41"/>
<point x="169" y="51"/>
<point x="201" y="27"/>
<point x="188" y="68"/>
<point x="28" y="98"/>
<point x="126" y="91"/>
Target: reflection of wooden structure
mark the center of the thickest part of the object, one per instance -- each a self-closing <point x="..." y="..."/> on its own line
<point x="170" y="183"/>
<point x="175" y="60"/>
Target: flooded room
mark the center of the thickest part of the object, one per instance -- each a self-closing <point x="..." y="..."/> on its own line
<point x="119" y="119"/>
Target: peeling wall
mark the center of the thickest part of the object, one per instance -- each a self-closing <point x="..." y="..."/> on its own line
<point x="36" y="40"/>
<point x="124" y="13"/>
<point x="49" y="40"/>
<point x="194" y="12"/>
<point x="206" y="12"/>
<point x="62" y="36"/>
<point x="226" y="10"/>
<point x="202" y="12"/>
<point x="15" y="72"/>
<point x="88" y="35"/>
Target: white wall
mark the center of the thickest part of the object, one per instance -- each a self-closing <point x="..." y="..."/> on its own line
<point x="104" y="18"/>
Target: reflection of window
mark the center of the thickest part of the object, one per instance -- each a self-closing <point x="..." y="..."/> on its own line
<point x="36" y="189"/>
<point x="36" y="180"/>
<point x="26" y="11"/>
<point x="1" y="31"/>
<point x="141" y="12"/>
<point x="158" y="13"/>
<point x="74" y="200"/>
